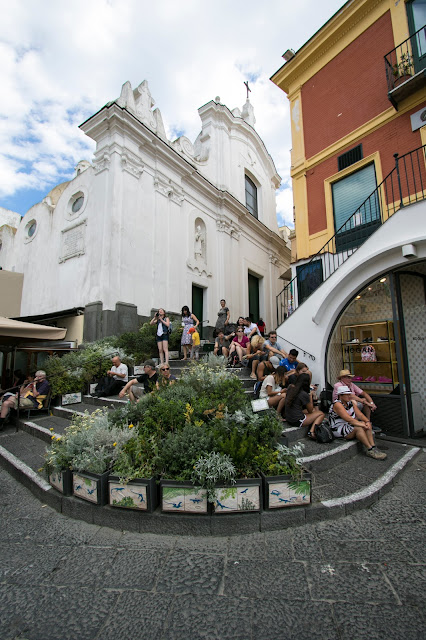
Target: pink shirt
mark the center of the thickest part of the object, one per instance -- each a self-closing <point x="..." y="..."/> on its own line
<point x="243" y="342"/>
<point x="354" y="389"/>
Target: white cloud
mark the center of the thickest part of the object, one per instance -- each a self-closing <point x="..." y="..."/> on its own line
<point x="62" y="61"/>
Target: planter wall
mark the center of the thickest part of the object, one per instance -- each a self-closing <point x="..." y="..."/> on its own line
<point x="140" y="494"/>
<point x="244" y="495"/>
<point x="91" y="486"/>
<point x="71" y="398"/>
<point x="182" y="497"/>
<point x="284" y="491"/>
<point x="62" y="481"/>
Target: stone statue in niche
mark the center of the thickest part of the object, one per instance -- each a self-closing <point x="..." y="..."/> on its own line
<point x="199" y="243"/>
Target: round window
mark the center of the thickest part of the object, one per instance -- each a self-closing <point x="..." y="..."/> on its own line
<point x="31" y="228"/>
<point x="77" y="204"/>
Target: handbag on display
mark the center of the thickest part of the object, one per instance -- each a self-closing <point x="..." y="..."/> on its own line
<point x="368" y="354"/>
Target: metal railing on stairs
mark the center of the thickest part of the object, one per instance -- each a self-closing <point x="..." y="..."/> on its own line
<point x="404" y="185"/>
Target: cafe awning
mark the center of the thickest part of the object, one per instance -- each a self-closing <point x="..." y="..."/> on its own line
<point x="14" y="331"/>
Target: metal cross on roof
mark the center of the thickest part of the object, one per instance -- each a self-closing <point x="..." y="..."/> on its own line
<point x="248" y="88"/>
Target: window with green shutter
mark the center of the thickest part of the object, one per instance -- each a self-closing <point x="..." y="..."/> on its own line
<point x="355" y="194"/>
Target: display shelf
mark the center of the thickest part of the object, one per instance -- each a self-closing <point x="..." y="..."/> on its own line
<point x="382" y="363"/>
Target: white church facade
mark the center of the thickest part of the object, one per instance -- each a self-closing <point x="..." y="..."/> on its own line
<point x="153" y="223"/>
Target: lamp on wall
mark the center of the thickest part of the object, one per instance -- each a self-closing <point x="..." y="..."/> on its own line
<point x="409" y="251"/>
<point x="288" y="55"/>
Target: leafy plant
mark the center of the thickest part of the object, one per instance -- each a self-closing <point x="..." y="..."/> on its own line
<point x="281" y="461"/>
<point x="212" y="469"/>
<point x="182" y="449"/>
<point x="138" y="458"/>
<point x="88" y="444"/>
<point x="404" y="67"/>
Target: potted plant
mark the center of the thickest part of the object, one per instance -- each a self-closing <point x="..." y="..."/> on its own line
<point x="132" y="483"/>
<point x="403" y="69"/>
<point x="216" y="473"/>
<point x="88" y="448"/>
<point x="285" y="481"/>
<point x="179" y="454"/>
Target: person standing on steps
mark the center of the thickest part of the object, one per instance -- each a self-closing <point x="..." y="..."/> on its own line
<point x="162" y="334"/>
<point x="222" y="318"/>
<point x="188" y="321"/>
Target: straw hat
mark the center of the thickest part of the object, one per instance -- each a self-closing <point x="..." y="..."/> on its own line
<point x="345" y="373"/>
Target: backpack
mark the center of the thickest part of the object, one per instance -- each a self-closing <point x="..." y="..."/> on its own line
<point x="256" y="389"/>
<point x="323" y="433"/>
<point x="170" y="328"/>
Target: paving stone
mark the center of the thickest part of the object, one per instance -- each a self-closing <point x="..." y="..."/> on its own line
<point x="85" y="566"/>
<point x="27" y="562"/>
<point x="279" y="545"/>
<point x="338" y="529"/>
<point x="383" y="622"/>
<point x="390" y="513"/>
<point x="137" y="568"/>
<point x="216" y="618"/>
<point x="251" y="579"/>
<point x="48" y="613"/>
<point x="408" y="580"/>
<point x="287" y="619"/>
<point x="348" y="582"/>
<point x="368" y="551"/>
<point x="251" y="546"/>
<point x="218" y="545"/>
<point x="306" y="544"/>
<point x="137" y="615"/>
<point x="191" y="573"/>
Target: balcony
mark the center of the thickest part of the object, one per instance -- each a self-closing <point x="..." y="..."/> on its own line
<point x="406" y="67"/>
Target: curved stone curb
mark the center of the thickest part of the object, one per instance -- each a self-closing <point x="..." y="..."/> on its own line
<point x="195" y="525"/>
<point x="336" y="455"/>
<point x="376" y="486"/>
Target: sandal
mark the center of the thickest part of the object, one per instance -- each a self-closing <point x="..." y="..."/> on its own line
<point x="311" y="435"/>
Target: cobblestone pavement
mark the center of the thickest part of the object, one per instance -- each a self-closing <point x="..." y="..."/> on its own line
<point x="357" y="578"/>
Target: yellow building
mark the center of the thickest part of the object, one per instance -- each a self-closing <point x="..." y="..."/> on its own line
<point x="357" y="82"/>
<point x="357" y="92"/>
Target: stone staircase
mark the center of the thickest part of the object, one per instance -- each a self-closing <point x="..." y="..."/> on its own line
<point x="344" y="479"/>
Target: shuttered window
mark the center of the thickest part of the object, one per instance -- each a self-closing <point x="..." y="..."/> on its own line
<point x="251" y="197"/>
<point x="350" y="193"/>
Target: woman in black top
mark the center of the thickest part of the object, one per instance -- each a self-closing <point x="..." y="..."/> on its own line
<point x="299" y="405"/>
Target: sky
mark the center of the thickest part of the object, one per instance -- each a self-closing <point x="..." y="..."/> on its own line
<point x="61" y="61"/>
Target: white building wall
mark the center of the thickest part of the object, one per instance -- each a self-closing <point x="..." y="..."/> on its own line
<point x="134" y="237"/>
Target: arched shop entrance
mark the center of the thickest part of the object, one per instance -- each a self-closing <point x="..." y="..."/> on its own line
<point x="381" y="338"/>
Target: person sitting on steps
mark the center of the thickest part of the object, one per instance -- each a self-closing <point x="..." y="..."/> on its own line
<point x="347" y="421"/>
<point x="299" y="405"/>
<point x="148" y="379"/>
<point x="256" y="354"/>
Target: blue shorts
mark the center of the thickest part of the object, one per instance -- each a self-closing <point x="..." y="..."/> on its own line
<point x="163" y="338"/>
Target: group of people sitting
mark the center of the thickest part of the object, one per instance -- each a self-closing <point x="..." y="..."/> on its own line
<point x="32" y="393"/>
<point x="116" y="381"/>
<point x="287" y="386"/>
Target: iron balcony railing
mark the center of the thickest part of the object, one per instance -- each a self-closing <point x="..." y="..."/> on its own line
<point x="404" y="185"/>
<point x="406" y="60"/>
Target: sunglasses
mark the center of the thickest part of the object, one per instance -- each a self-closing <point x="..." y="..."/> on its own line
<point x="165" y="369"/>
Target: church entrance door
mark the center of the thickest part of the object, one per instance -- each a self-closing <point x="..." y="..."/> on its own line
<point x="253" y="294"/>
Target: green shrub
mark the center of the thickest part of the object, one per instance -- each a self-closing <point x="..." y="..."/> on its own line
<point x="181" y="450"/>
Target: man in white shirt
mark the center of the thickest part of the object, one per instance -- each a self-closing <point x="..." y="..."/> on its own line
<point x="250" y="328"/>
<point x="118" y="376"/>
